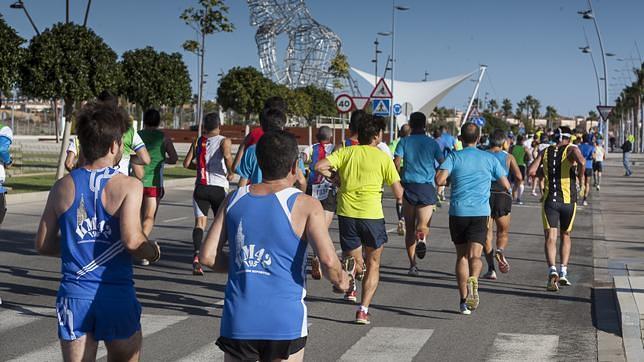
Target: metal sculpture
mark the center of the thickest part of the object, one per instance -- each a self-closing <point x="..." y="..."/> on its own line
<point x="311" y="46"/>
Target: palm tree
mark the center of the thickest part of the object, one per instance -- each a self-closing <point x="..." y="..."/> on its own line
<point x="507" y="108"/>
<point x="535" y="110"/>
<point x="493" y="105"/>
<point x="521" y="106"/>
<point x="552" y="116"/>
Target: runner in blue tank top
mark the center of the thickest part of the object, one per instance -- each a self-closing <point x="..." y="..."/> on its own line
<point x="268" y="226"/>
<point x="97" y="210"/>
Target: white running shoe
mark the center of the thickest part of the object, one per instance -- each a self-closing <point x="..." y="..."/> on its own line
<point x="491" y="275"/>
<point x="585" y="203"/>
<point x="413" y="271"/>
<point x="563" y="279"/>
<point x="464" y="309"/>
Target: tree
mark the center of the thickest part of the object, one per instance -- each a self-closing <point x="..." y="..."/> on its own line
<point x="70" y="62"/>
<point x="535" y="110"/>
<point x="244" y="90"/>
<point x="11" y="55"/>
<point x="339" y="69"/>
<point x="150" y="78"/>
<point x="493" y="122"/>
<point x="208" y="19"/>
<point x="322" y="102"/>
<point x="507" y="108"/>
<point x="552" y="116"/>
<point x="521" y="107"/>
<point x="493" y="105"/>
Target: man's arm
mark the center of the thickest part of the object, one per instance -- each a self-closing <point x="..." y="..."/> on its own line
<point x="211" y="253"/>
<point x="47" y="238"/>
<point x="132" y="236"/>
<point x="301" y="180"/>
<point x="187" y="162"/>
<point x="170" y="151"/>
<point x="240" y="152"/>
<point x="226" y="147"/>
<point x="324" y="168"/>
<point x="398" y="190"/>
<point x="397" y="160"/>
<point x="143" y="156"/>
<point x="532" y="170"/>
<point x="70" y="161"/>
<point x="441" y="177"/>
<point x="576" y="156"/>
<point x="514" y="168"/>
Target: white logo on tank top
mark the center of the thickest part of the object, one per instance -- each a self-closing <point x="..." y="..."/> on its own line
<point x="249" y="258"/>
<point x="90" y="226"/>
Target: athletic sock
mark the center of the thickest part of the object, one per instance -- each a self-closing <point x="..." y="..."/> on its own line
<point x="399" y="210"/>
<point x="489" y="258"/>
<point x="197" y="236"/>
<point x="364" y="309"/>
<point x="462" y="300"/>
<point x="521" y="189"/>
<point x="563" y="269"/>
<point x="599" y="180"/>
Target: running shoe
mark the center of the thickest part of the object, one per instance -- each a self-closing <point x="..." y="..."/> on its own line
<point x="197" y="269"/>
<point x="534" y="193"/>
<point x="349" y="265"/>
<point x="585" y="203"/>
<point x="438" y="204"/>
<point x="464" y="309"/>
<point x="360" y="276"/>
<point x="145" y="262"/>
<point x="553" y="282"/>
<point x="504" y="266"/>
<point x="401" y="227"/>
<point x="362" y="317"/>
<point x="491" y="275"/>
<point x="563" y="279"/>
<point x="413" y="271"/>
<point x="316" y="273"/>
<point x="421" y="245"/>
<point x="597" y="187"/>
<point x="519" y="202"/>
<point x="472" y="299"/>
<point x="352" y="294"/>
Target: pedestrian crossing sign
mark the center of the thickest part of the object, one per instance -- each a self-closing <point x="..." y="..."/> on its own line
<point x="381" y="106"/>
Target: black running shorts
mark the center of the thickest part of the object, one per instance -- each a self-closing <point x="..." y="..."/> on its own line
<point x="598" y="166"/>
<point x="464" y="229"/>
<point x="500" y="204"/>
<point x="355" y="232"/>
<point x="420" y="194"/>
<point x="588" y="172"/>
<point x="207" y="197"/>
<point x="558" y="215"/>
<point x="260" y="350"/>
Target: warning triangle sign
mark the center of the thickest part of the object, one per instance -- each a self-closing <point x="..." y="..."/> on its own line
<point x="381" y="90"/>
<point x="605" y="111"/>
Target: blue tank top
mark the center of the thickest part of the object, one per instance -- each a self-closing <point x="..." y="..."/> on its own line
<point x="95" y="263"/>
<point x="502" y="156"/>
<point x="266" y="274"/>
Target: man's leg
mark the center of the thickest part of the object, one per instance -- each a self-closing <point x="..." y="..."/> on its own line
<point x="197" y="232"/>
<point x="564" y="247"/>
<point x="295" y="357"/>
<point x="401" y="216"/>
<point x="372" y="277"/>
<point x="125" y="349"/>
<point x="489" y="250"/>
<point x="474" y="250"/>
<point x="410" y="233"/>
<point x="3" y="207"/>
<point x="462" y="270"/>
<point x="79" y="350"/>
<point x="502" y="239"/>
<point x="551" y="247"/>
<point x="148" y="213"/>
<point x="423" y="220"/>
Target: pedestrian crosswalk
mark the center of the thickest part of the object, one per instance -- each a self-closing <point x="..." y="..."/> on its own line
<point x="379" y="343"/>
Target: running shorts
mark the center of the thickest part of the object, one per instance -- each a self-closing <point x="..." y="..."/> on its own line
<point x="260" y="350"/>
<point x="153" y="191"/>
<point x="420" y="194"/>
<point x="464" y="229"/>
<point x="522" y="170"/>
<point x="105" y="319"/>
<point x="330" y="202"/>
<point x="500" y="204"/>
<point x="588" y="172"/>
<point x="598" y="166"/>
<point x="558" y="215"/>
<point x="355" y="232"/>
<point x="207" y="197"/>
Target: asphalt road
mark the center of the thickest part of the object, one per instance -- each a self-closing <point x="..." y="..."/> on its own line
<point x="413" y="318"/>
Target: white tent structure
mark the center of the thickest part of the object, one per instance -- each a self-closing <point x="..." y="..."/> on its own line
<point x="423" y="96"/>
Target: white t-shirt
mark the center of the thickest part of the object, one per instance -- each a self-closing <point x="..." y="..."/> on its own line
<point x="599" y="154"/>
<point x="384" y="148"/>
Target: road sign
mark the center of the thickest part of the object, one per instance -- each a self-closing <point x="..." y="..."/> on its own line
<point x="479" y="121"/>
<point x="360" y="102"/>
<point x="605" y="111"/>
<point x="397" y="109"/>
<point x="381" y="90"/>
<point x="381" y="106"/>
<point x="344" y="103"/>
<point x="407" y="109"/>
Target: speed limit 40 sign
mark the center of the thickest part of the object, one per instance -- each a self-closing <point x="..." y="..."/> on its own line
<point x="344" y="103"/>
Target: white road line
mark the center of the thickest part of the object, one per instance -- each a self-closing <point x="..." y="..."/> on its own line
<point x="175" y="219"/>
<point x="10" y="319"/>
<point x="524" y="347"/>
<point x="389" y="231"/>
<point x="220" y="302"/>
<point x="207" y="353"/>
<point x="150" y="324"/>
<point x="388" y="344"/>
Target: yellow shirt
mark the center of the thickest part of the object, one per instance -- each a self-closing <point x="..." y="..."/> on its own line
<point x="362" y="170"/>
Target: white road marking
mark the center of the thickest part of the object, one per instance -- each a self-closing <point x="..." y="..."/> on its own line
<point x="524" y="347"/>
<point x="389" y="231"/>
<point x="10" y="319"/>
<point x="175" y="219"/>
<point x="220" y="302"/>
<point x="388" y="344"/>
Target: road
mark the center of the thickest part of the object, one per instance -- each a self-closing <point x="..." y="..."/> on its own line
<point x="413" y="318"/>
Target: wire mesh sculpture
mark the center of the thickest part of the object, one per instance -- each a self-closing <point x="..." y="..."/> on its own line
<point x="311" y="46"/>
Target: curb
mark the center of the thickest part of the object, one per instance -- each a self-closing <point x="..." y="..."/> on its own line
<point x="630" y="319"/>
<point x="41" y="196"/>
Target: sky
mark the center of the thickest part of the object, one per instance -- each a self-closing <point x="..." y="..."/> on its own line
<point x="530" y="47"/>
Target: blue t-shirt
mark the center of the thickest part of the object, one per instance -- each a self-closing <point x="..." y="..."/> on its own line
<point x="249" y="168"/>
<point x="420" y="153"/>
<point x="587" y="151"/>
<point x="446" y="140"/>
<point x="472" y="171"/>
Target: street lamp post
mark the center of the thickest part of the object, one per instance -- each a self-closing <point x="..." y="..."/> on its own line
<point x="21" y="5"/>
<point x="394" y="7"/>
<point x="588" y="51"/>
<point x="375" y="59"/>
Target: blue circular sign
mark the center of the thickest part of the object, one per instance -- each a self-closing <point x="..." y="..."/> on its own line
<point x="397" y="109"/>
<point x="480" y="121"/>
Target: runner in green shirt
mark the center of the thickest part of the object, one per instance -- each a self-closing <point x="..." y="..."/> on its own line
<point x="521" y="155"/>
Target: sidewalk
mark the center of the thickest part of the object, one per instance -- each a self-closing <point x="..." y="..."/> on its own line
<point x="618" y="211"/>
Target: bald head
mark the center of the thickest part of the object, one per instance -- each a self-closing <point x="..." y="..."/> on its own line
<point x="470" y="133"/>
<point x="404" y="131"/>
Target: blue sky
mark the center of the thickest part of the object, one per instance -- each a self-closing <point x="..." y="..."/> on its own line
<point x="530" y="46"/>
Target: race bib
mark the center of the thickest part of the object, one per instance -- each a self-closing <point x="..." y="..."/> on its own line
<point x="321" y="191"/>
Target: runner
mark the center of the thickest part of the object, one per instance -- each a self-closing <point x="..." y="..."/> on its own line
<point x="6" y="138"/>
<point x="500" y="207"/>
<point x="96" y="209"/>
<point x="161" y="150"/>
<point x="588" y="151"/>
<point x="362" y="170"/>
<point x="559" y="201"/>
<point x="521" y="156"/>
<point x="210" y="155"/>
<point x="538" y="178"/>
<point x="404" y="131"/>
<point x="627" y="149"/>
<point x="356" y="118"/>
<point x="420" y="154"/>
<point x="471" y="171"/>
<point x="598" y="164"/>
<point x="267" y="227"/>
<point x="448" y="144"/>
<point x="319" y="187"/>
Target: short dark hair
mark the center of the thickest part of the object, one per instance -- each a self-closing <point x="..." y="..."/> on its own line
<point x="276" y="102"/>
<point x="356" y="118"/>
<point x="436" y="134"/>
<point x="98" y="126"/>
<point x="520" y="139"/>
<point x="272" y="119"/>
<point x="107" y="97"/>
<point x="498" y="138"/>
<point x="404" y="131"/>
<point x="368" y="128"/>
<point x="277" y="152"/>
<point x="470" y="132"/>
<point x="324" y="133"/>
<point x="152" y="118"/>
<point x="417" y="121"/>
<point x="211" y="121"/>
<point x="380" y="122"/>
<point x="585" y="138"/>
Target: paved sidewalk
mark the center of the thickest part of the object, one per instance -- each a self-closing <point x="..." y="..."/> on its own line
<point x="619" y="257"/>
